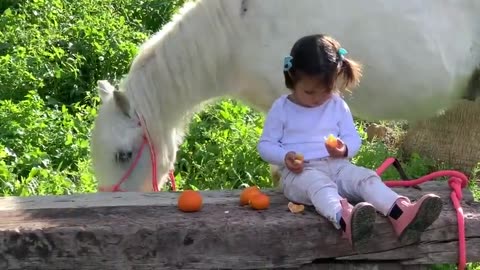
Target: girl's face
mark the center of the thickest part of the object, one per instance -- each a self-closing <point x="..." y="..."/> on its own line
<point x="310" y="92"/>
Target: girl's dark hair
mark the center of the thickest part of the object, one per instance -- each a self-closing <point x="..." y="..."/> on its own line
<point x="318" y="55"/>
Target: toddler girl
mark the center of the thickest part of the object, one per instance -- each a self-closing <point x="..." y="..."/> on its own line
<point x="316" y="71"/>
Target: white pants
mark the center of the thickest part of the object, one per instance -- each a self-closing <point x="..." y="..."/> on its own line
<point x="324" y="182"/>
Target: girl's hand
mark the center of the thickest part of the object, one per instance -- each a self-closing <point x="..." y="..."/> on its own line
<point x="292" y="163"/>
<point x="338" y="151"/>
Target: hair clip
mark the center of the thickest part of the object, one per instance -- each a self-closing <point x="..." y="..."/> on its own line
<point x="342" y="52"/>
<point x="287" y="63"/>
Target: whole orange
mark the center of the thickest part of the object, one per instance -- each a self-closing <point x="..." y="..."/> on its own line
<point x="260" y="201"/>
<point x="190" y="201"/>
<point x="247" y="194"/>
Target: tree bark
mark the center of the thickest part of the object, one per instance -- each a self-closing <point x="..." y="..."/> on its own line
<point x="345" y="265"/>
<point x="147" y="231"/>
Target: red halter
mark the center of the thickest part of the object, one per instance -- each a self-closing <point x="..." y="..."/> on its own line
<point x="153" y="158"/>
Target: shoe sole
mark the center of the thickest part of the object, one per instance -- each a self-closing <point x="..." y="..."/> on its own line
<point x="428" y="212"/>
<point x="362" y="224"/>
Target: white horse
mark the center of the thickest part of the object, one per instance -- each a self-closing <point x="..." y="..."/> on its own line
<point x="419" y="58"/>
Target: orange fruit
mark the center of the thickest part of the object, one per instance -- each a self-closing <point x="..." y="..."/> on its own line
<point x="260" y="201"/>
<point x="299" y="156"/>
<point x="190" y="201"/>
<point x="295" y="208"/>
<point x="247" y="194"/>
<point x="331" y="140"/>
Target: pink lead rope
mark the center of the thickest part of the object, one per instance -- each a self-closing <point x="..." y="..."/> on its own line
<point x="456" y="182"/>
<point x="153" y="155"/>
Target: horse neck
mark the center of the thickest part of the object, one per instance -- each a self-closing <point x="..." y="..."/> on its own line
<point x="181" y="66"/>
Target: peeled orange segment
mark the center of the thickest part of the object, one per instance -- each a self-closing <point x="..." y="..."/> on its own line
<point x="299" y="156"/>
<point x="295" y="208"/>
<point x="331" y="140"/>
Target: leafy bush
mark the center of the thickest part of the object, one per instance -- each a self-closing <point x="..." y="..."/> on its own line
<point x="61" y="48"/>
<point x="152" y="14"/>
<point x="4" y="4"/>
<point x="219" y="151"/>
<point x="44" y="150"/>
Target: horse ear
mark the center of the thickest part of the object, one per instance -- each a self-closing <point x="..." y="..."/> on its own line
<point x="105" y="89"/>
<point x="122" y="102"/>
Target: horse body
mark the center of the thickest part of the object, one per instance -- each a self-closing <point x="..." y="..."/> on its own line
<point x="418" y="58"/>
<point x="418" y="55"/>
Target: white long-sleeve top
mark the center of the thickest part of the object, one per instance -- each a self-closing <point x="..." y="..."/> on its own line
<point x="291" y="127"/>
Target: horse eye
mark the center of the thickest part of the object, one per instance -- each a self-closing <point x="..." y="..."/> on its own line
<point x="123" y="156"/>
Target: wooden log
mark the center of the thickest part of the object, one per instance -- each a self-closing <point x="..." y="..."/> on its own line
<point x="342" y="265"/>
<point x="146" y="231"/>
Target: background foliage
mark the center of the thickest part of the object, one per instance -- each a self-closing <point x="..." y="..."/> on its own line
<point x="52" y="52"/>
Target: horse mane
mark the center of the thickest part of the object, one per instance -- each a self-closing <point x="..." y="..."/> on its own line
<point x="168" y="29"/>
<point x="174" y="71"/>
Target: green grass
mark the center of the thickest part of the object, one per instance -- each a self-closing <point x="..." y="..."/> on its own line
<point x="51" y="54"/>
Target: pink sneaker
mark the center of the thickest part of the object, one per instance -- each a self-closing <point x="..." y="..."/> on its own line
<point x="357" y="223"/>
<point x="410" y="220"/>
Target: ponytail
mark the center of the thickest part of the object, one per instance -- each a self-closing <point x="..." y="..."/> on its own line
<point x="351" y="72"/>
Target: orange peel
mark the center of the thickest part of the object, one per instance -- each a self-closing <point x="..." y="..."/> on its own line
<point x="295" y="208"/>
